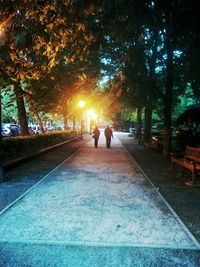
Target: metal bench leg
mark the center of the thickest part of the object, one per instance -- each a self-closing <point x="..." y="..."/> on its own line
<point x="193" y="177"/>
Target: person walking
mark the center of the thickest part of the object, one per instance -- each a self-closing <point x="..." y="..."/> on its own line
<point x="96" y="134"/>
<point x="108" y="134"/>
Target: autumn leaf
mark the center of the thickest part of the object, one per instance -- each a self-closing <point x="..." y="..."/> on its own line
<point x="52" y="63"/>
<point x="14" y="79"/>
<point x="81" y="27"/>
<point x="13" y="56"/>
<point x="119" y="93"/>
<point x="9" y="69"/>
<point x="72" y="58"/>
<point x="21" y="74"/>
<point x="67" y="59"/>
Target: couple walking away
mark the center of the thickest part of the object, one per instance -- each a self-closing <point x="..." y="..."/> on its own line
<point x="108" y="134"/>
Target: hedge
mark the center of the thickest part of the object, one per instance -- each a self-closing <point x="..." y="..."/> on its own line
<point x="21" y="145"/>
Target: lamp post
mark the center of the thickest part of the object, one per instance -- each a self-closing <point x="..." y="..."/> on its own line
<point x="92" y="118"/>
<point x="81" y="105"/>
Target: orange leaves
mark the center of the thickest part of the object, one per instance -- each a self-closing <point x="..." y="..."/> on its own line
<point x="39" y="42"/>
<point x="36" y="75"/>
<point x="13" y="78"/>
<point x="57" y="33"/>
<point x="48" y="51"/>
<point x="21" y="75"/>
<point x="72" y="58"/>
<point x="66" y="59"/>
<point x="59" y="21"/>
<point x="9" y="69"/>
<point x="44" y="68"/>
<point x="33" y="75"/>
<point x="52" y="63"/>
<point x="118" y="93"/>
<point x="49" y="27"/>
<point x="82" y="77"/>
<point x="13" y="56"/>
<point x="81" y="27"/>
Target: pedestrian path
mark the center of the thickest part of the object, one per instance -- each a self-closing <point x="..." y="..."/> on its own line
<point x="96" y="209"/>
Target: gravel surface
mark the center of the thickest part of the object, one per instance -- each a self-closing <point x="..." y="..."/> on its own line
<point x="19" y="179"/>
<point x="99" y="196"/>
<point x="183" y="199"/>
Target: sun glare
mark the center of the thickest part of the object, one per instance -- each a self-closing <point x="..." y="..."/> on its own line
<point x="81" y="104"/>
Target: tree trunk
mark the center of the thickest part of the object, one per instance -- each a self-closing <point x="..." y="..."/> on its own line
<point x="74" y="123"/>
<point x="37" y="115"/>
<point x="65" y="119"/>
<point x="39" y="121"/>
<point x="66" y="113"/>
<point x="139" y="125"/>
<point x="148" y="121"/>
<point x="21" y="109"/>
<point x="168" y="89"/>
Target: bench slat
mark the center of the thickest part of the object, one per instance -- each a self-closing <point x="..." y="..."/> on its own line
<point x="190" y="161"/>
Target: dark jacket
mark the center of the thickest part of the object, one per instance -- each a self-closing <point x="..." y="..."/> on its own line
<point x="108" y="132"/>
<point x="96" y="132"/>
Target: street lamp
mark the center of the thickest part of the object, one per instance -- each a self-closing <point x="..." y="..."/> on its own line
<point x="81" y="105"/>
<point x="92" y="118"/>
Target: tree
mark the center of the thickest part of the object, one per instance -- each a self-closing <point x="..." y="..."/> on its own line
<point x="149" y="54"/>
<point x="38" y="38"/>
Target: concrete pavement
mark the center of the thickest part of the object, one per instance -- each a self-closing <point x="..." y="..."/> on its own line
<point x="95" y="209"/>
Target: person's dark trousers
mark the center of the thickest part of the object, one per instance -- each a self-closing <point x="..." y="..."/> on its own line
<point x="96" y="142"/>
<point x="108" y="141"/>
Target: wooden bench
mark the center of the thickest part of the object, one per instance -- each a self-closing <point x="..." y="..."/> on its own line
<point x="189" y="160"/>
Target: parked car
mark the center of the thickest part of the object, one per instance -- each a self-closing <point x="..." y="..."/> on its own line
<point x="34" y="128"/>
<point x="5" y="131"/>
<point x="10" y="129"/>
<point x="31" y="131"/>
<point x="132" y="130"/>
<point x="56" y="128"/>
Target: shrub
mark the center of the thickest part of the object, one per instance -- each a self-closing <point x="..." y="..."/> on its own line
<point x="188" y="132"/>
<point x="18" y="146"/>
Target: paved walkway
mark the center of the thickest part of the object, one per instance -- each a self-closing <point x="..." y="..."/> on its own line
<point x="95" y="209"/>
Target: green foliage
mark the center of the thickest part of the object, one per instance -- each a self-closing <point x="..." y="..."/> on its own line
<point x="189" y="127"/>
<point x="190" y="117"/>
<point x="9" y="109"/>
